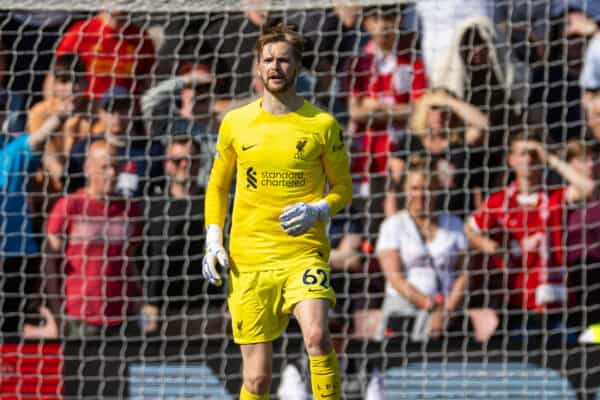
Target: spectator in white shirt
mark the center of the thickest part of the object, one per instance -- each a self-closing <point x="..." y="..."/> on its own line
<point x="422" y="253"/>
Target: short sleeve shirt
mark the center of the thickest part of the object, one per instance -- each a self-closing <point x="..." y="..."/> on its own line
<point x="440" y="255"/>
<point x="98" y="271"/>
<point x="533" y="234"/>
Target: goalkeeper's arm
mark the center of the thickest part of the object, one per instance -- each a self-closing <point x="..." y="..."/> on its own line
<point x="215" y="206"/>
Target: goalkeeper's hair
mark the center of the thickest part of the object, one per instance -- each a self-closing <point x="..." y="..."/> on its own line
<point x="276" y="31"/>
<point x="69" y="68"/>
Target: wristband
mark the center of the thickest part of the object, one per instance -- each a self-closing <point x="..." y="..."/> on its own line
<point x="323" y="208"/>
<point x="213" y="234"/>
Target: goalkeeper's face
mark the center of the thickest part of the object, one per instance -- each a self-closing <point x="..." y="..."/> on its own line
<point x="277" y="67"/>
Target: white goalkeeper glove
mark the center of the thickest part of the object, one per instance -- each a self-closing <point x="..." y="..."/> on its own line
<point x="215" y="252"/>
<point x="298" y="218"/>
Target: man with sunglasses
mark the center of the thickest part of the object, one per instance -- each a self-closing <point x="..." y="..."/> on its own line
<point x="174" y="246"/>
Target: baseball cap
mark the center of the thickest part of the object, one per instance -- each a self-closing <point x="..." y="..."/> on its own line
<point x="116" y="98"/>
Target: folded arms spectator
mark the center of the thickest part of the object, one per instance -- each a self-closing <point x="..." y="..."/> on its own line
<point x="91" y="237"/>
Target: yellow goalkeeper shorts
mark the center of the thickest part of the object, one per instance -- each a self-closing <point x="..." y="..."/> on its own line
<point x="260" y="302"/>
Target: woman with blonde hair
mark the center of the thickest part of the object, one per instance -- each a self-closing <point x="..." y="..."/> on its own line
<point x="446" y="132"/>
<point x="422" y="255"/>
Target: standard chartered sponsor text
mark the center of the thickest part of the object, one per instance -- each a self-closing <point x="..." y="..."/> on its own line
<point x="282" y="178"/>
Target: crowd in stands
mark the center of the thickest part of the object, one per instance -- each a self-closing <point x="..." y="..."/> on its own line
<point x="473" y="128"/>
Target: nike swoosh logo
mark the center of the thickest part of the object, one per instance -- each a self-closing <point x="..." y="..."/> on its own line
<point x="244" y="148"/>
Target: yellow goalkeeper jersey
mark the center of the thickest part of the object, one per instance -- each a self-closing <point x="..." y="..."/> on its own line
<point x="280" y="160"/>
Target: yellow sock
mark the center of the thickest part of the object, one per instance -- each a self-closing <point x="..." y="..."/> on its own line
<point x="325" y="376"/>
<point x="246" y="395"/>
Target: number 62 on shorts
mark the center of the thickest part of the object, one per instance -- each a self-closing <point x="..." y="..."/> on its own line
<point x="316" y="276"/>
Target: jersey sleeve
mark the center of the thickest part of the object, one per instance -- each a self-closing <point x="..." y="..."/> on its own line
<point x="16" y="161"/>
<point x="215" y="206"/>
<point x="419" y="83"/>
<point x="387" y="234"/>
<point x="337" y="170"/>
<point x="483" y="219"/>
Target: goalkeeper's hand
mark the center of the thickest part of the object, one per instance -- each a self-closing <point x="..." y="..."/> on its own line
<point x="298" y="218"/>
<point x="215" y="252"/>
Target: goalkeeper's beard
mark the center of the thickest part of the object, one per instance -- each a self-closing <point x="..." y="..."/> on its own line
<point x="277" y="89"/>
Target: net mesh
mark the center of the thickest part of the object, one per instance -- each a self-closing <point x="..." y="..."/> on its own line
<point x="444" y="105"/>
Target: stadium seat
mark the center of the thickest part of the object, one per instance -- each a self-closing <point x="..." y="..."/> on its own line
<point x="476" y="381"/>
<point x="174" y="381"/>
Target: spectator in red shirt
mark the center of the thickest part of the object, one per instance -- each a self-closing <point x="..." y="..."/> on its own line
<point x="384" y="82"/>
<point x="516" y="229"/>
<point x="96" y="234"/>
<point x="115" y="51"/>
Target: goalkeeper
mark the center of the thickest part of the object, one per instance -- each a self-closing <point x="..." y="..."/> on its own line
<point x="285" y="151"/>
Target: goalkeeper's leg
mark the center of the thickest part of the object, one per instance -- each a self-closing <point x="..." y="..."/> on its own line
<point x="257" y="371"/>
<point x="324" y="367"/>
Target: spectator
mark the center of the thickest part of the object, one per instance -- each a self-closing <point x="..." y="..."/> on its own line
<point x="440" y="20"/>
<point x="590" y="73"/>
<point x="345" y="233"/>
<point x="582" y="220"/>
<point x="474" y="70"/>
<point x="384" y="82"/>
<point x="591" y="103"/>
<point x="20" y="158"/>
<point x="115" y="51"/>
<point x="444" y="132"/>
<point x="351" y="269"/>
<point x="12" y="104"/>
<point x="177" y="294"/>
<point x="184" y="35"/>
<point x="141" y="170"/>
<point x="516" y="229"/>
<point x="68" y="82"/>
<point x="347" y="32"/>
<point x="590" y="79"/>
<point x="32" y="36"/>
<point x="555" y="97"/>
<point x="96" y="234"/>
<point x="422" y="255"/>
<point x="182" y="103"/>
